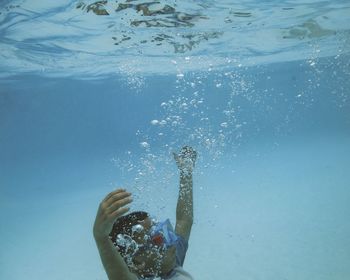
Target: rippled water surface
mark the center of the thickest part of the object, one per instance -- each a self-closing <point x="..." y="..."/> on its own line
<point x="87" y="38"/>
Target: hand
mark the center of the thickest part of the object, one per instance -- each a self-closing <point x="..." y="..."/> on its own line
<point x="186" y="159"/>
<point x="111" y="208"/>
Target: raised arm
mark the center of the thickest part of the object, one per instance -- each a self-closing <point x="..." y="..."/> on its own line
<point x="185" y="161"/>
<point x="112" y="207"/>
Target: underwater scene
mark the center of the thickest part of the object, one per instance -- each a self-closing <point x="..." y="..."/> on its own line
<point x="226" y="122"/>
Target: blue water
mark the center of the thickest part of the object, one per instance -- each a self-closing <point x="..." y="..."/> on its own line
<point x="271" y="184"/>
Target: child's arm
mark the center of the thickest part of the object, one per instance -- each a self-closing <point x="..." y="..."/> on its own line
<point x="110" y="209"/>
<point x="184" y="210"/>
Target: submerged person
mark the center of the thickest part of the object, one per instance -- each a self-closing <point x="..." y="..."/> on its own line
<point x="133" y="246"/>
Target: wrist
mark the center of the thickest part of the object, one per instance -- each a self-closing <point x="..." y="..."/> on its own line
<point x="102" y="243"/>
<point x="185" y="173"/>
<point x="101" y="237"/>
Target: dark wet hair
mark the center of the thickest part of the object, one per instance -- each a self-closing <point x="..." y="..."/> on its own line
<point x="124" y="224"/>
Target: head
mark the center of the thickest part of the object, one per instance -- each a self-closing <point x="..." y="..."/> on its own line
<point x="145" y="256"/>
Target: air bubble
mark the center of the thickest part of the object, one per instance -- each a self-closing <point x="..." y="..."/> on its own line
<point x="180" y="75"/>
<point x="144" y="145"/>
<point x="137" y="228"/>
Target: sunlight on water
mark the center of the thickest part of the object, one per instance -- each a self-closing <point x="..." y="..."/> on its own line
<point x="89" y="39"/>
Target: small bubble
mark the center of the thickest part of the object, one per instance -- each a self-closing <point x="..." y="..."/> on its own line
<point x="180" y="75"/>
<point x="312" y="63"/>
<point x="144" y="145"/>
<point x="137" y="228"/>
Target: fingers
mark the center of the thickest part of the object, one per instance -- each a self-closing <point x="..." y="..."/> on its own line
<point x="113" y="206"/>
<point x="113" y="193"/>
<point x="194" y="154"/>
<point x="176" y="157"/>
<point x="119" y="202"/>
<point x="119" y="212"/>
<point x="188" y="151"/>
<point x="115" y="200"/>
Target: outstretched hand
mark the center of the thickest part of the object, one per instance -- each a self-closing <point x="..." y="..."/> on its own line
<point x="111" y="208"/>
<point x="186" y="159"/>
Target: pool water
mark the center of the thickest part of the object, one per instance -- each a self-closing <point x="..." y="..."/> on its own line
<point x="262" y="94"/>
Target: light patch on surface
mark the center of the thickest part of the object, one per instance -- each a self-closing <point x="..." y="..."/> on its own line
<point x="93" y="39"/>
